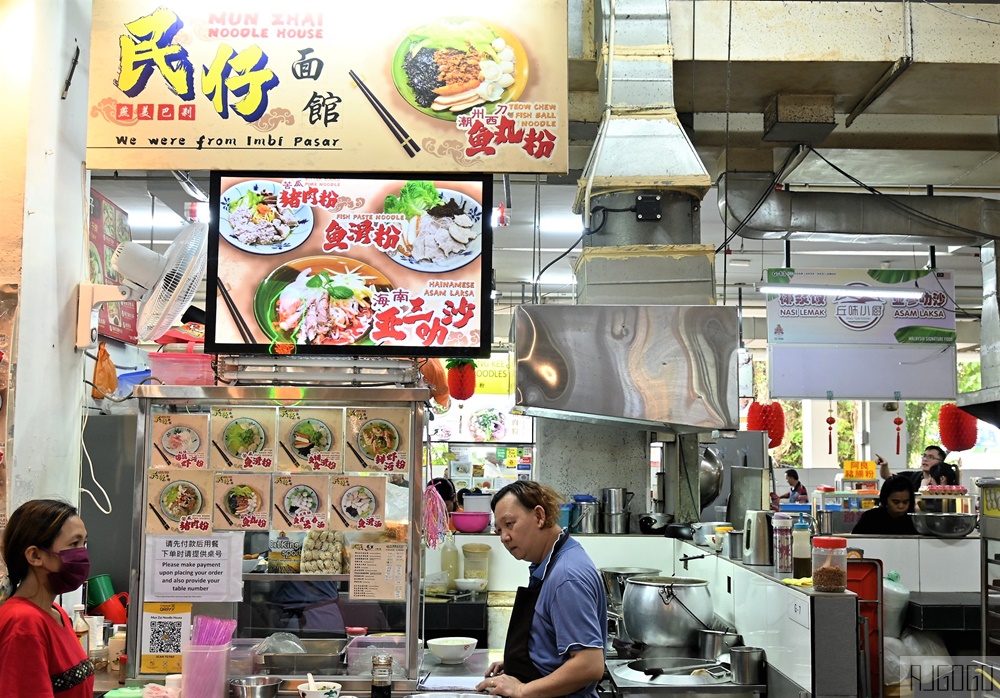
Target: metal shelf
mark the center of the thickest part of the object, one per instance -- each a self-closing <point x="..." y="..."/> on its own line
<point x="269" y="577"/>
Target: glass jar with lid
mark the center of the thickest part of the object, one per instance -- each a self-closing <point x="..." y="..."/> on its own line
<point x="829" y="563"/>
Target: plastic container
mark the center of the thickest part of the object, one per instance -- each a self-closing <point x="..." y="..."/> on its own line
<point x="182" y="368"/>
<point x="204" y="669"/>
<point x="829" y="564"/>
<point x="801" y="549"/>
<point x="116" y="645"/>
<point x="449" y="560"/>
<point x="565" y="512"/>
<point x="477" y="560"/>
<point x="720" y="536"/>
<point x="782" y="543"/>
<point x="360" y="651"/>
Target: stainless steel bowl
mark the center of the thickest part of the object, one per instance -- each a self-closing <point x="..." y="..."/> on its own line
<point x="943" y="525"/>
<point x="255" y="686"/>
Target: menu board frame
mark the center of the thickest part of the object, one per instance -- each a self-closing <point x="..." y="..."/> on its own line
<point x="214" y="343"/>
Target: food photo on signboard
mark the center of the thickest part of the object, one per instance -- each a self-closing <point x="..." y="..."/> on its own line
<point x="352" y="265"/>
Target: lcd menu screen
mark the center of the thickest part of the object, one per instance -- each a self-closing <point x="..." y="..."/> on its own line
<point x="349" y="265"/>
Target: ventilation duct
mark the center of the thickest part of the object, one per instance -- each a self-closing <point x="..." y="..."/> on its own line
<point x="640" y="143"/>
<point x="847" y="218"/>
<point x="985" y="403"/>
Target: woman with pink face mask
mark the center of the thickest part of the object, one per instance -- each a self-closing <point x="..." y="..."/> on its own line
<point x="44" y="548"/>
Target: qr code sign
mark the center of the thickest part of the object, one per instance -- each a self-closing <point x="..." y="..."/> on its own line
<point x="165" y="637"/>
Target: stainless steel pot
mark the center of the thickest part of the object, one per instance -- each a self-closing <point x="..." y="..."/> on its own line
<point x="615" y="578"/>
<point x="666" y="611"/>
<point x="712" y="644"/>
<point x="704" y="531"/>
<point x="749" y="665"/>
<point x="710" y="473"/>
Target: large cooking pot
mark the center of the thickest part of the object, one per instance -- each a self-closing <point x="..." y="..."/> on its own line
<point x="710" y="473"/>
<point x="615" y="578"/>
<point x="666" y="611"/>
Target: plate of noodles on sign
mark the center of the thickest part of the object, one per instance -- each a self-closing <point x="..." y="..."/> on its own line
<point x="252" y="219"/>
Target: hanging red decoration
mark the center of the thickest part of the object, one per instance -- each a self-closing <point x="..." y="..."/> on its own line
<point x="958" y="428"/>
<point x="898" y="421"/>
<point x="461" y="378"/>
<point x="769" y="418"/>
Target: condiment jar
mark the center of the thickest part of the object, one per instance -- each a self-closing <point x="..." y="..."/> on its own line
<point x="829" y="563"/>
<point x="381" y="675"/>
<point x="719" y="536"/>
<point x="801" y="549"/>
<point x="782" y="544"/>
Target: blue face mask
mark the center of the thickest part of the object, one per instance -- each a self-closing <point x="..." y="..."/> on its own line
<point x="74" y="570"/>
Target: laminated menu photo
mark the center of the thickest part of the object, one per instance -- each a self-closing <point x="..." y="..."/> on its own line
<point x="357" y="502"/>
<point x="243" y="438"/>
<point x="180" y="441"/>
<point x="179" y="501"/>
<point x="301" y="502"/>
<point x="310" y="440"/>
<point x="378" y="439"/>
<point x="242" y="501"/>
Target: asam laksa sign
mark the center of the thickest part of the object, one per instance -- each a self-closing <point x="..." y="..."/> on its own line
<point x="857" y="316"/>
<point x="391" y="85"/>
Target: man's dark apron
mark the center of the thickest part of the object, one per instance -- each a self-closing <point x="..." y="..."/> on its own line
<point x="516" y="660"/>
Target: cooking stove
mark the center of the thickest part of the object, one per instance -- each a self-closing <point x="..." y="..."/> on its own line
<point x="632" y="682"/>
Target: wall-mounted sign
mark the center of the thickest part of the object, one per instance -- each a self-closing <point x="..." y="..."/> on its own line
<point x="445" y="86"/>
<point x="349" y="265"/>
<point x="858" y="317"/>
<point x="109" y="227"/>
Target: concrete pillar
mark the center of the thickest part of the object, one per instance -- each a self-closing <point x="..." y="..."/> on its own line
<point x="577" y="458"/>
<point x="882" y="435"/>
<point x="44" y="175"/>
<point x="815" y="444"/>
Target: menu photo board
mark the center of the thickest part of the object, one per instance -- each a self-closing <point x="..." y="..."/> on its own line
<point x="350" y="265"/>
<point x="109" y="227"/>
<point x="446" y="86"/>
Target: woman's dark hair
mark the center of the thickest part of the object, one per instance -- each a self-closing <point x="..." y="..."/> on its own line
<point x="530" y="495"/>
<point x="37" y="523"/>
<point x="897" y="483"/>
<point x="464" y="491"/>
<point x="792" y="473"/>
<point x="946" y="471"/>
<point x="445" y="488"/>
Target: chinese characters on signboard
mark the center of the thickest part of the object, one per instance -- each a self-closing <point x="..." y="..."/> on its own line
<point x="349" y="266"/>
<point x="409" y="86"/>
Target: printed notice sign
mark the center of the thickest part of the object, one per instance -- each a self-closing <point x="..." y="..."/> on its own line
<point x="378" y="571"/>
<point x="163" y="627"/>
<point x="182" y="568"/>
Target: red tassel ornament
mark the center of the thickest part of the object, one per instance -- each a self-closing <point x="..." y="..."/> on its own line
<point x="958" y="428"/>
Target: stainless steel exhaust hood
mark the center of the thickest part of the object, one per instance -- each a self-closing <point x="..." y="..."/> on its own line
<point x="985" y="403"/>
<point x="661" y="367"/>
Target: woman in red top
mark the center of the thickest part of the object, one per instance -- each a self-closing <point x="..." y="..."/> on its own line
<point x="44" y="548"/>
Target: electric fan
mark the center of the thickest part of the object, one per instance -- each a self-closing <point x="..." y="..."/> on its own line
<point x="163" y="284"/>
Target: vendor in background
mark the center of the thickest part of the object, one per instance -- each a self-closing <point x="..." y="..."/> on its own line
<point x="891" y="517"/>
<point x="446" y="488"/>
<point x="45" y="551"/>
<point x="558" y="627"/>
<point x="798" y="491"/>
<point x="931" y="456"/>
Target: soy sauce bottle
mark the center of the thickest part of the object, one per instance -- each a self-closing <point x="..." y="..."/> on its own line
<point x="801" y="549"/>
<point x="382" y="676"/>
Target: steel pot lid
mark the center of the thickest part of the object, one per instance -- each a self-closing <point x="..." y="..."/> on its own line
<point x="653" y="581"/>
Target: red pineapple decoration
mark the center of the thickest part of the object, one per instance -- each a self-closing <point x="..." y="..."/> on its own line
<point x="957" y="427"/>
<point x="461" y="378"/>
<point x="769" y="418"/>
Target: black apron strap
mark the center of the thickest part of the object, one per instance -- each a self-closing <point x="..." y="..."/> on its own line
<point x="516" y="660"/>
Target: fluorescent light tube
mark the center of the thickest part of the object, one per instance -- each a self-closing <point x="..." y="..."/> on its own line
<point x="869" y="291"/>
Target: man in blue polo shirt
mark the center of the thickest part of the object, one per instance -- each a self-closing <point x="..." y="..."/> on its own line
<point x="558" y="627"/>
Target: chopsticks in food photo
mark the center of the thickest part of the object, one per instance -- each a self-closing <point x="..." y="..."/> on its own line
<point x="241" y="324"/>
<point x="222" y="453"/>
<point x="409" y="145"/>
<point x="166" y="526"/>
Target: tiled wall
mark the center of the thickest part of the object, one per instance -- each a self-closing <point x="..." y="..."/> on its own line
<point x="927" y="564"/>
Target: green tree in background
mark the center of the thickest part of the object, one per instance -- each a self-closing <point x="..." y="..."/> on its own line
<point x="922" y="417"/>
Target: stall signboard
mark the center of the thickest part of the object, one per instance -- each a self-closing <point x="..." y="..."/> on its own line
<point x="447" y="86"/>
<point x="495" y="375"/>
<point x="109" y="227"/>
<point x="858" y="317"/>
<point x="356" y="265"/>
<point x="860" y="470"/>
<point x="194" y="568"/>
<point x="482" y="418"/>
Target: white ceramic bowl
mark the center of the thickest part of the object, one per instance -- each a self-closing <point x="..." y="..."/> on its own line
<point x="452" y="650"/>
<point x="471" y="584"/>
<point x="324" y="689"/>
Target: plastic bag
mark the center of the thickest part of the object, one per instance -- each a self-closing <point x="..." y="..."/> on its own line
<point x="926" y="653"/>
<point x="895" y="666"/>
<point x="895" y="601"/>
<point x="105" y="378"/>
<point x="280" y="643"/>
